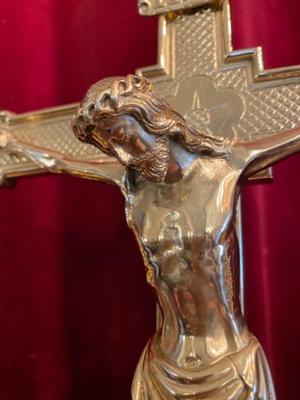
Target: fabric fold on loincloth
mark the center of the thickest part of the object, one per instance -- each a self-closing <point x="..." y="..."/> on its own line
<point x="243" y="375"/>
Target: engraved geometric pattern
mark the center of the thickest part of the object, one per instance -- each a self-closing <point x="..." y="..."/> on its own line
<point x="55" y="136"/>
<point x="193" y="46"/>
<point x="269" y="107"/>
<point x="54" y="133"/>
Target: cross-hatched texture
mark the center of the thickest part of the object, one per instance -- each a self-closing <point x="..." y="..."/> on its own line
<point x="194" y="49"/>
<point x="53" y="135"/>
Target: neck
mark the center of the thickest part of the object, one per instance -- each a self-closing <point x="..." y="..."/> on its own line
<point x="179" y="161"/>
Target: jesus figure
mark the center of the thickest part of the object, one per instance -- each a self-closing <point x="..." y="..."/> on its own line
<point x="181" y="188"/>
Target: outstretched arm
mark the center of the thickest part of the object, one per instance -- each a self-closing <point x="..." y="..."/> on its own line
<point x="263" y="153"/>
<point x="103" y="168"/>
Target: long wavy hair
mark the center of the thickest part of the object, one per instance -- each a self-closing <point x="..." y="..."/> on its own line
<point x="134" y="96"/>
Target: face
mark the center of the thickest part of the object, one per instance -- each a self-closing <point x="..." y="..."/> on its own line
<point x="145" y="153"/>
<point x="125" y="137"/>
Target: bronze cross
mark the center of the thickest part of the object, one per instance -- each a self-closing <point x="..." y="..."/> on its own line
<point x="218" y="89"/>
<point x="221" y="90"/>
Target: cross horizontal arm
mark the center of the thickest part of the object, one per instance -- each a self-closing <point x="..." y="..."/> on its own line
<point x="43" y="141"/>
<point x="155" y="7"/>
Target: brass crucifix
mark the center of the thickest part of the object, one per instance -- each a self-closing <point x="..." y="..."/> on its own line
<point x="220" y="92"/>
<point x="242" y="99"/>
<point x="223" y="91"/>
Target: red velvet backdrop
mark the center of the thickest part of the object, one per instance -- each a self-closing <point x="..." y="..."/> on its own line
<point x="75" y="311"/>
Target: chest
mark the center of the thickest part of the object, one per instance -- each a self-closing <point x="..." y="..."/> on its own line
<point x="198" y="206"/>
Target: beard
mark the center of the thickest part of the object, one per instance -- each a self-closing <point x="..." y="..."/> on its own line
<point x="153" y="165"/>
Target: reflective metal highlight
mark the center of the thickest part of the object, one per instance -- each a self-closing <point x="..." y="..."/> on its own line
<point x="181" y="208"/>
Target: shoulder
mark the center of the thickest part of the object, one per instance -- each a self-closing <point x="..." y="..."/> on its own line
<point x="237" y="153"/>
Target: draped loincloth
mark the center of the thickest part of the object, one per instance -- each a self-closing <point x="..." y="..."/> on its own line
<point x="243" y="375"/>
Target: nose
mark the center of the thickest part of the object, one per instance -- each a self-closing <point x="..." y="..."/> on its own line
<point x="81" y="127"/>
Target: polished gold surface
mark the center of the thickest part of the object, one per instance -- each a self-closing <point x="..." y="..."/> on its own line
<point x="181" y="187"/>
<point x="43" y="142"/>
<point x="230" y="98"/>
<point x="154" y="7"/>
<point x="223" y="91"/>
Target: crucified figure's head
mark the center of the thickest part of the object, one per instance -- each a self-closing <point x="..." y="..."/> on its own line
<point x="127" y="119"/>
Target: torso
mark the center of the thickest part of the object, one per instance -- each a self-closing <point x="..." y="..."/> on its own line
<point x="187" y="236"/>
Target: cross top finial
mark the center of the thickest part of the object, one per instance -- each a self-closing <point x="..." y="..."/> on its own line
<point x="154" y="7"/>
